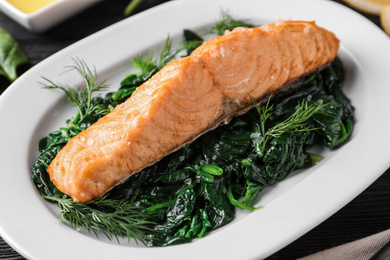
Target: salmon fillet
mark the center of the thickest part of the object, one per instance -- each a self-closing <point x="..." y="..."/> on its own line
<point x="186" y="98"/>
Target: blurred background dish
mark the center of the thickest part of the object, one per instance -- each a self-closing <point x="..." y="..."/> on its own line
<point x="41" y="15"/>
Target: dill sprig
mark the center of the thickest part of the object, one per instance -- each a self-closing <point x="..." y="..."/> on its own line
<point x="227" y="22"/>
<point x="81" y="97"/>
<point x="149" y="63"/>
<point x="294" y="123"/>
<point x="114" y="218"/>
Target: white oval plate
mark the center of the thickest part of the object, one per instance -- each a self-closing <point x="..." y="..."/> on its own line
<point x="291" y="208"/>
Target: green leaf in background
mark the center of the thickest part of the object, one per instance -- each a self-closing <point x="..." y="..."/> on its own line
<point x="11" y="56"/>
<point x="131" y="7"/>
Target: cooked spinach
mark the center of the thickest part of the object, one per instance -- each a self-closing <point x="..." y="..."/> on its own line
<point x="11" y="56"/>
<point x="198" y="188"/>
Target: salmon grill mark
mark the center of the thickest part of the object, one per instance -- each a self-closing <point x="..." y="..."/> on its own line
<point x="187" y="98"/>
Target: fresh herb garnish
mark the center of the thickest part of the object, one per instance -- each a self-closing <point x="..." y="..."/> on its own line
<point x="81" y="97"/>
<point x="148" y="63"/>
<point x="148" y="66"/>
<point x="227" y="22"/>
<point x="294" y="123"/>
<point x="113" y="218"/>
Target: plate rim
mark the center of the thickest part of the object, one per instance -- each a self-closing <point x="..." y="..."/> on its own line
<point x="17" y="87"/>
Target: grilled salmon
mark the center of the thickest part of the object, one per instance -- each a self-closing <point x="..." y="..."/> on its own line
<point x="188" y="97"/>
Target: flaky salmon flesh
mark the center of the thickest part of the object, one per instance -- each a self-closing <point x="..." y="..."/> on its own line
<point x="188" y="97"/>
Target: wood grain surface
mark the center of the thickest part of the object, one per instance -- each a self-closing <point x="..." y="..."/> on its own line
<point x="367" y="214"/>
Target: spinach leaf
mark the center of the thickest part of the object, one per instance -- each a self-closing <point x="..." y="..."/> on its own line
<point x="11" y="56"/>
<point x="191" y="41"/>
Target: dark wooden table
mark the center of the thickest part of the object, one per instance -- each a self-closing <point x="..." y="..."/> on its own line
<point x="367" y="214"/>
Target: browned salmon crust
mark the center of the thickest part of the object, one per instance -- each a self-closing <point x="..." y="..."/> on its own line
<point x="185" y="99"/>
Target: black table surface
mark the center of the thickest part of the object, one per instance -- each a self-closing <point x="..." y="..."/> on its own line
<point x="367" y="214"/>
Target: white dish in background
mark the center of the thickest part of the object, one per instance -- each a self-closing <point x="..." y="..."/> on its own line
<point x="48" y="16"/>
<point x="291" y="208"/>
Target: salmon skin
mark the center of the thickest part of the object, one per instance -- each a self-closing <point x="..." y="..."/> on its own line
<point x="188" y="97"/>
